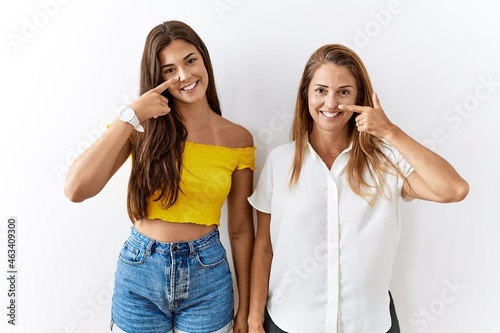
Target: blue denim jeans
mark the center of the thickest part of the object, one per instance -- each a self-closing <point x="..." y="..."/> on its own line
<point x="172" y="287"/>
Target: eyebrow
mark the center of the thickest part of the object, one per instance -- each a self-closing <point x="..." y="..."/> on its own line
<point x="168" y="65"/>
<point x="341" y="87"/>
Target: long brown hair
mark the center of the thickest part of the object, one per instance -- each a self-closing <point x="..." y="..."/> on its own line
<point x="366" y="154"/>
<point x="157" y="152"/>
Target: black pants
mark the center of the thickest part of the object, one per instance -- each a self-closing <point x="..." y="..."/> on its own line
<point x="270" y="326"/>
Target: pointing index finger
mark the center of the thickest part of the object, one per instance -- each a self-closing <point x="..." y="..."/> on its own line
<point x="164" y="85"/>
<point x="352" y="108"/>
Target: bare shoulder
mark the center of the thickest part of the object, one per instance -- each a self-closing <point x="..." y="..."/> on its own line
<point x="234" y="135"/>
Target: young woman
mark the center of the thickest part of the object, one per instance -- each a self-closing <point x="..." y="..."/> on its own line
<point x="327" y="206"/>
<point x="172" y="273"/>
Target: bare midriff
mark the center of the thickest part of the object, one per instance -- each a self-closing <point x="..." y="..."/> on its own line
<point x="169" y="232"/>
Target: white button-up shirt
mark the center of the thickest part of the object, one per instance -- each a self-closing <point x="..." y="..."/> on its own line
<point x="333" y="252"/>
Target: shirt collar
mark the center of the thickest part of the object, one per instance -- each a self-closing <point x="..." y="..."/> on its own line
<point x="314" y="153"/>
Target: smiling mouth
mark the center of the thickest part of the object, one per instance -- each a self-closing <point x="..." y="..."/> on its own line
<point x="330" y="114"/>
<point x="190" y="87"/>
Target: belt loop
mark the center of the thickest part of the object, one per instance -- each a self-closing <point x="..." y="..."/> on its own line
<point x="149" y="246"/>
<point x="192" y="250"/>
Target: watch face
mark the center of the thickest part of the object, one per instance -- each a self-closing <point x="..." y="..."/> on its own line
<point x="127" y="114"/>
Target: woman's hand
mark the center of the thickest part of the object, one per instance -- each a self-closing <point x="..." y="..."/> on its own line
<point x="240" y="324"/>
<point x="433" y="178"/>
<point x="152" y="104"/>
<point x="371" y="120"/>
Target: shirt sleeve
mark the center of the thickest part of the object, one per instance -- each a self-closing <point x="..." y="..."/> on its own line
<point x="403" y="166"/>
<point x="398" y="160"/>
<point x="262" y="196"/>
<point x="246" y="158"/>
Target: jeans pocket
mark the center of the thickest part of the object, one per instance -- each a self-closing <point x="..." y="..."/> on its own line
<point x="132" y="253"/>
<point x="211" y="256"/>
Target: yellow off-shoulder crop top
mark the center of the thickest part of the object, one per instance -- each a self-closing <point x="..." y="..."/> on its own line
<point x="205" y="183"/>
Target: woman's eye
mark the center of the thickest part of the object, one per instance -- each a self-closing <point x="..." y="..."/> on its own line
<point x="344" y="92"/>
<point x="168" y="71"/>
<point x="320" y="90"/>
<point x="190" y="61"/>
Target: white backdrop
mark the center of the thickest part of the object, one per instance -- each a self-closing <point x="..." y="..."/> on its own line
<point x="67" y="67"/>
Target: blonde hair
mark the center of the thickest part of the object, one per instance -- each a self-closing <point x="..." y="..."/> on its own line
<point x="366" y="155"/>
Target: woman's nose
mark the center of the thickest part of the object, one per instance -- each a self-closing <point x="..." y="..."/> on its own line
<point x="184" y="74"/>
<point x="331" y="102"/>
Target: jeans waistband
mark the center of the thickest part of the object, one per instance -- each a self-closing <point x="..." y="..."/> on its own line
<point x="152" y="245"/>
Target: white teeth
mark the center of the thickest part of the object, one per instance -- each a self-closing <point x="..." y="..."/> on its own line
<point x="330" y="114"/>
<point x="191" y="86"/>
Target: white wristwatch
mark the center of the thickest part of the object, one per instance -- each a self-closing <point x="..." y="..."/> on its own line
<point x="127" y="115"/>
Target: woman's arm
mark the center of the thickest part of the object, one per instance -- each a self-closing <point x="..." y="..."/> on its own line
<point x="433" y="178"/>
<point x="95" y="166"/>
<point x="241" y="236"/>
<point x="261" y="268"/>
<point x="91" y="171"/>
